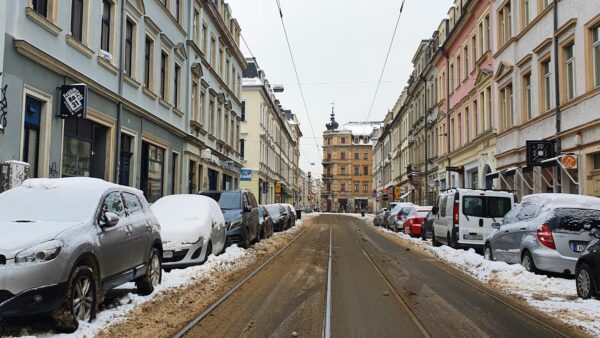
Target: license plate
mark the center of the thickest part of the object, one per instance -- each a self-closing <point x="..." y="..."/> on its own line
<point x="578" y="247"/>
<point x="168" y="254"/>
<point x="473" y="237"/>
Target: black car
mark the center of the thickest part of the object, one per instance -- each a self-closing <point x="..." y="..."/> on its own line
<point x="279" y="216"/>
<point x="266" y="222"/>
<point x="241" y="215"/>
<point x="587" y="270"/>
<point x="427" y="226"/>
<point x="291" y="214"/>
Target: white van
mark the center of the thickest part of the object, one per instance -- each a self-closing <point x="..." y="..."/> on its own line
<point x="464" y="217"/>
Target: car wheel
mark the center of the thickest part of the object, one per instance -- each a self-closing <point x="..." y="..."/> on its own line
<point x="528" y="263"/>
<point x="153" y="275"/>
<point x="488" y="253"/>
<point x="80" y="301"/>
<point x="586" y="287"/>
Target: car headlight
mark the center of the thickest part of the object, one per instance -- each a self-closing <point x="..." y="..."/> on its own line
<point x="235" y="224"/>
<point x="44" y="252"/>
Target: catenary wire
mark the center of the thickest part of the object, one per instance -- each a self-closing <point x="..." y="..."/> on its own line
<point x="385" y="62"/>
<point x="296" y="73"/>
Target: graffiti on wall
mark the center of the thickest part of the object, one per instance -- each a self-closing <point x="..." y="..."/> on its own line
<point x="3" y="105"/>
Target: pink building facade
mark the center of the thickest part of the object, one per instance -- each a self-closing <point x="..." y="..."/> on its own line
<point x="466" y="123"/>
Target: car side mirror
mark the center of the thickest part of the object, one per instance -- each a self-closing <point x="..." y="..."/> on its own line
<point x="435" y="210"/>
<point x="596" y="233"/>
<point x="247" y="208"/>
<point x="109" y="220"/>
<point x="496" y="225"/>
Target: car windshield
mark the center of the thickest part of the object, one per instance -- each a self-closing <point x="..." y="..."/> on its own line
<point x="273" y="209"/>
<point x="48" y="205"/>
<point x="226" y="200"/>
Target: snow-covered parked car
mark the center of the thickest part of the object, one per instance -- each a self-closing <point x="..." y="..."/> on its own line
<point x="66" y="242"/>
<point x="266" y="222"/>
<point x="192" y="228"/>
<point x="587" y="271"/>
<point x="291" y="214"/>
<point x="278" y="216"/>
<point x="546" y="232"/>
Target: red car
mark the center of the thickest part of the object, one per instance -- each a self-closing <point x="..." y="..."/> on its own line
<point x="414" y="220"/>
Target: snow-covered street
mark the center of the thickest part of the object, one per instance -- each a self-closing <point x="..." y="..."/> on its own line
<point x="124" y="301"/>
<point x="554" y="296"/>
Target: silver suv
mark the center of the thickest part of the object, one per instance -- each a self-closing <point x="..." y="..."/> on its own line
<point x="66" y="242"/>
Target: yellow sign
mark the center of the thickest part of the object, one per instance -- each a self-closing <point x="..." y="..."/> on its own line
<point x="396" y="193"/>
<point x="277" y="188"/>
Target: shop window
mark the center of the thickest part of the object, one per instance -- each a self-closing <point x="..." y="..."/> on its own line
<point x="31" y="138"/>
<point x="125" y="160"/>
<point x="174" y="173"/>
<point x="597" y="161"/>
<point x="153" y="159"/>
<point x="84" y="149"/>
<point x="192" y="189"/>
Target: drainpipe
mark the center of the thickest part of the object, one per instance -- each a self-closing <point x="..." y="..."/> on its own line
<point x="558" y="172"/>
<point x="448" y="185"/>
<point x="426" y="150"/>
<point x="116" y="171"/>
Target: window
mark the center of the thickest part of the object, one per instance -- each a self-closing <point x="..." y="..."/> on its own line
<point x="31" y="137"/>
<point x="202" y="107"/>
<point x="543" y="4"/>
<point x="452" y="127"/>
<point x="113" y="204"/>
<point x="366" y="170"/>
<point x="452" y="78"/>
<point x="356" y="187"/>
<point x="125" y="159"/>
<point x="596" y="55"/>
<point x="356" y="156"/>
<point x="356" y="170"/>
<point x="365" y="187"/>
<point x="243" y="111"/>
<point x="153" y="159"/>
<point x="178" y="11"/>
<point x="366" y="156"/>
<point x="176" y="85"/>
<point x="242" y="148"/>
<point x="527" y="98"/>
<point x="128" y="47"/>
<point x="488" y="102"/>
<point x="77" y="19"/>
<point x="459" y="73"/>
<point x="164" y="60"/>
<point x="195" y="102"/>
<point x="466" y="56"/>
<point x="504" y="24"/>
<point x="343" y="187"/>
<point x="506" y="117"/>
<point x="460" y="128"/>
<point x="474" y="52"/>
<point x="546" y="86"/>
<point x="467" y="125"/>
<point x="525" y="13"/>
<point x="475" y="117"/>
<point x="148" y="61"/>
<point x="343" y="171"/>
<point x="343" y="155"/>
<point x="343" y="140"/>
<point x="213" y="52"/>
<point x="569" y="70"/>
<point x="40" y="7"/>
<point x="488" y="32"/>
<point x="204" y="37"/>
<point x="196" y="23"/>
<point x="106" y="23"/>
<point x="596" y="161"/>
<point x="132" y="204"/>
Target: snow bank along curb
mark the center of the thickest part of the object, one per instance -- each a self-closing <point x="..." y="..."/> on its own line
<point x="234" y="258"/>
<point x="557" y="297"/>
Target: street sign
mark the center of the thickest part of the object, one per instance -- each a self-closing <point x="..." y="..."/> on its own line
<point x="246" y="175"/>
<point x="73" y="101"/>
<point x="569" y="161"/>
<point x="539" y="151"/>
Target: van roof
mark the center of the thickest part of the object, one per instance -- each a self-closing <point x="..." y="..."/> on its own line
<point x="478" y="191"/>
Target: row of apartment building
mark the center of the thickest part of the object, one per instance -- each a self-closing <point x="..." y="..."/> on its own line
<point x="165" y="102"/>
<point x="494" y="75"/>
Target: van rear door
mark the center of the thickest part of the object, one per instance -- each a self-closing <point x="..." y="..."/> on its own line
<point x="478" y="212"/>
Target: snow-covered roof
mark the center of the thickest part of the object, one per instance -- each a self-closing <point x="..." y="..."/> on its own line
<point x="361" y="128"/>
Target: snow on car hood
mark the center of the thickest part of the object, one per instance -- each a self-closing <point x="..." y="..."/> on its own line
<point x="184" y="219"/>
<point x="18" y="236"/>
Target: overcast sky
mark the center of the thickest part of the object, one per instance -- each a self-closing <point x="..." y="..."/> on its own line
<point x="339" y="47"/>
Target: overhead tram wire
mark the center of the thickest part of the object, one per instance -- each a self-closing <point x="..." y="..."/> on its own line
<point x="287" y="39"/>
<point x="385" y="62"/>
<point x="299" y="145"/>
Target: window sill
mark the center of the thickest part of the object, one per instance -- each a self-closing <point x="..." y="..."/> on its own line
<point x="149" y="93"/>
<point x="79" y="46"/>
<point x="131" y="81"/>
<point x="44" y="22"/>
<point x="177" y="112"/>
<point x="165" y="103"/>
<point x="107" y="65"/>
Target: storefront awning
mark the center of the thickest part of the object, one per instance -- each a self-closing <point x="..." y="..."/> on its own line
<point x="550" y="163"/>
<point x="492" y="176"/>
<point x="509" y="172"/>
<point x="527" y="169"/>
